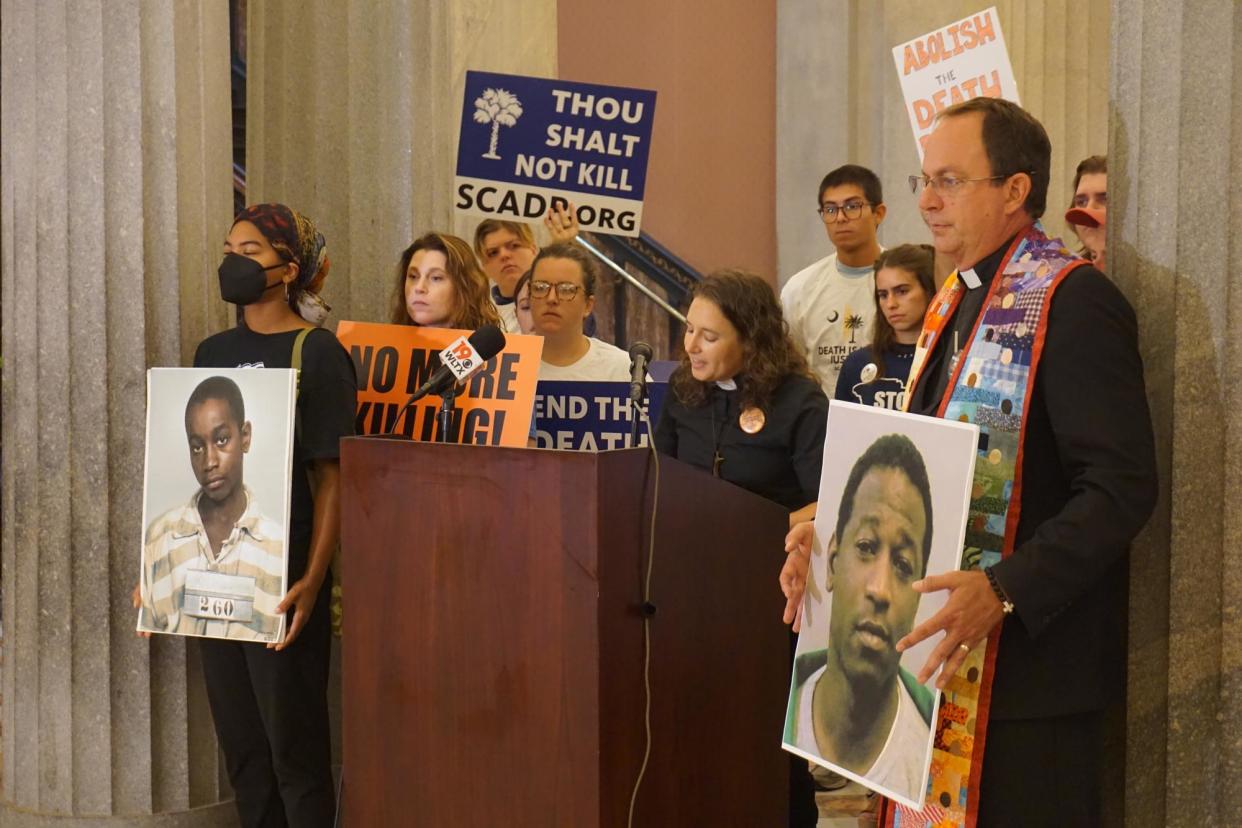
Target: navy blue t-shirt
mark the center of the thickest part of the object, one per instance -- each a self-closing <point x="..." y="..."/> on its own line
<point x="886" y="390"/>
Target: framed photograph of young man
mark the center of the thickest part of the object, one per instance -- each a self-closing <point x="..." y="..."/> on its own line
<point x="216" y="497"/>
<point x="893" y="503"/>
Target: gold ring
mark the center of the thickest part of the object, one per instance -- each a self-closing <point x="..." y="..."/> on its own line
<point x="965" y="647"/>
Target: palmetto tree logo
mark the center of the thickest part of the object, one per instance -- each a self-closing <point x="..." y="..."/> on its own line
<point x="497" y="107"/>
<point x="852" y="323"/>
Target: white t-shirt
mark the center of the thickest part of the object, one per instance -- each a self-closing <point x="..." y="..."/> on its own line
<point x="902" y="762"/>
<point x="601" y="363"/>
<point x="507" y="311"/>
<point x="829" y="307"/>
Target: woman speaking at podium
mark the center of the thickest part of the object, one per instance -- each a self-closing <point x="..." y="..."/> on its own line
<point x="743" y="404"/>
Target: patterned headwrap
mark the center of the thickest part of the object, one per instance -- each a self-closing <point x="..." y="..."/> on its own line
<point x="295" y="238"/>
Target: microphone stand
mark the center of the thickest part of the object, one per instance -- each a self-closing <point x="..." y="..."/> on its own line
<point x="635" y="405"/>
<point x="415" y="397"/>
<point x="446" y="413"/>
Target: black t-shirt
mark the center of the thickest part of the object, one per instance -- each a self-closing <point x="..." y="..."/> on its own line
<point x="781" y="462"/>
<point x="327" y="403"/>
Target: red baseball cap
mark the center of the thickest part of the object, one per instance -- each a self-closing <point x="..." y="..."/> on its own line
<point x="1085" y="216"/>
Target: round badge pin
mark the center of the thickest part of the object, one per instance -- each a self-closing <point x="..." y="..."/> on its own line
<point x="751" y="420"/>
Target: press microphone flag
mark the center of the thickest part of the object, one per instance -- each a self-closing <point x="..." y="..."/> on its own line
<point x="460" y="359"/>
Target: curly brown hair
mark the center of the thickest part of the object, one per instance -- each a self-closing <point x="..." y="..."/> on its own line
<point x="769" y="356"/>
<point x="472" y="306"/>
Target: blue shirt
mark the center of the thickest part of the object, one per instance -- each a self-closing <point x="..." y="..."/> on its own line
<point x="886" y="390"/>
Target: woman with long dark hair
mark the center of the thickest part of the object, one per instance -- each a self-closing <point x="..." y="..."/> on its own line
<point x="743" y="404"/>
<point x="440" y="285"/>
<point x="904" y="286"/>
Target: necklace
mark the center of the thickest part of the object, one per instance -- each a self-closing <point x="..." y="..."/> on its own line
<point x="717" y="431"/>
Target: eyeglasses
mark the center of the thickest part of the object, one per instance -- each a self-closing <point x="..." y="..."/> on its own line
<point x="851" y="209"/>
<point x="948" y="185"/>
<point x="564" y="290"/>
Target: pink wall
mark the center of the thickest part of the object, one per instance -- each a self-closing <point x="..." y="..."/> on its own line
<point x="711" y="180"/>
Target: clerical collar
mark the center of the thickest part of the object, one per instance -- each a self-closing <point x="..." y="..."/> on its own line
<point x="500" y="299"/>
<point x="984" y="270"/>
<point x="727" y="384"/>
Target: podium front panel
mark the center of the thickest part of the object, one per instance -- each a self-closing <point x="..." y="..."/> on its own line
<point x="492" y="654"/>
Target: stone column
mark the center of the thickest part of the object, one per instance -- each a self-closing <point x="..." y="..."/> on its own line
<point x="1175" y="220"/>
<point x="839" y="101"/>
<point x="114" y="194"/>
<point x="353" y="110"/>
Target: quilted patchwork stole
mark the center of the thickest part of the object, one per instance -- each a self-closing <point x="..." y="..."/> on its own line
<point x="990" y="385"/>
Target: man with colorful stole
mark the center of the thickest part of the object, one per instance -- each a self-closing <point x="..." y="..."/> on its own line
<point x="1040" y="350"/>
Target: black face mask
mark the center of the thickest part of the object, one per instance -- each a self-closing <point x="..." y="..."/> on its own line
<point x="243" y="281"/>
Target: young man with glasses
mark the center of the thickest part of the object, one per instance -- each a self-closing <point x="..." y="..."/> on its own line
<point x="830" y="305"/>
<point x="562" y="293"/>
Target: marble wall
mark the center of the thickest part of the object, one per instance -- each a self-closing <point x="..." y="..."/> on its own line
<point x="1175" y="216"/>
<point x="114" y="194"/>
<point x="352" y="118"/>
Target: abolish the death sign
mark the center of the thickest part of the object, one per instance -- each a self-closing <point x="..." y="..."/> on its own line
<point x="963" y="60"/>
<point x="528" y="144"/>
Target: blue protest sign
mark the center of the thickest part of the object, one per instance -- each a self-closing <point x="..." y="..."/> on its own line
<point x="590" y="416"/>
<point x="528" y="144"/>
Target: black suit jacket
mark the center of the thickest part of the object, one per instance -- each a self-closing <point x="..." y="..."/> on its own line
<point x="1088" y="487"/>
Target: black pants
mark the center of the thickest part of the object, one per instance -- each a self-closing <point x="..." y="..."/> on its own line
<point x="803" y="812"/>
<point x="271" y="715"/>
<point x="1042" y="772"/>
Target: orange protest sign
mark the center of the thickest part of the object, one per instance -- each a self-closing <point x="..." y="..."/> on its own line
<point x="492" y="408"/>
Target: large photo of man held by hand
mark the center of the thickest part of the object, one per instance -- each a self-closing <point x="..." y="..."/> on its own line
<point x="893" y="503"/>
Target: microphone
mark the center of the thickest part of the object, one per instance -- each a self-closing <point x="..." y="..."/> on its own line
<point x="640" y="357"/>
<point x="458" y="361"/>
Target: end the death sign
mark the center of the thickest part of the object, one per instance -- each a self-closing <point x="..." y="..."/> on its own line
<point x="529" y="144"/>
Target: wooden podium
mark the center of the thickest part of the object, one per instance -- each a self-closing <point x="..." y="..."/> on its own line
<point x="493" y="640"/>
